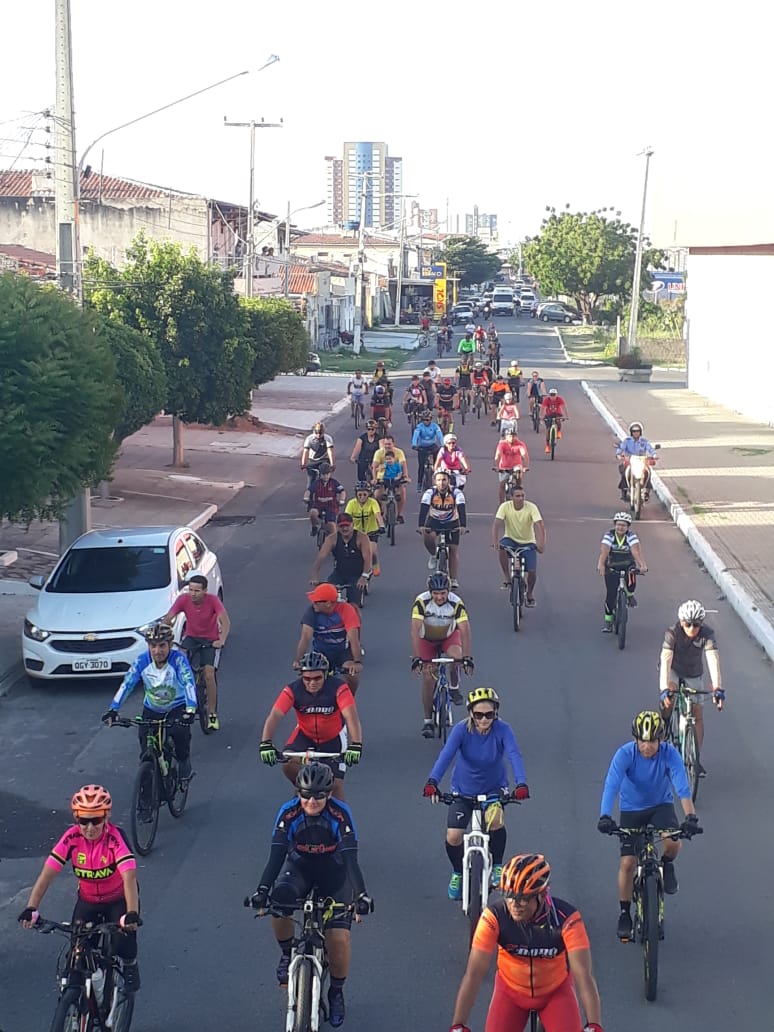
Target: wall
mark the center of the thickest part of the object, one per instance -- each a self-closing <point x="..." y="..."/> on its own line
<point x="731" y="332"/>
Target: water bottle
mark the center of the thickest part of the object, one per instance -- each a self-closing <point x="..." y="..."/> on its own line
<point x="98" y="985"/>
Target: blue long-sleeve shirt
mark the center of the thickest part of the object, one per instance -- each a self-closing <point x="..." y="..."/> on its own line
<point x="480" y="759"/>
<point x="165" y="687"/>
<point x="644" y="783"/>
<point x="630" y="446"/>
<point x="425" y="436"/>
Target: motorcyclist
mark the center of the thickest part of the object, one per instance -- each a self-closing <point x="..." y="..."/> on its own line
<point x="635" y="444"/>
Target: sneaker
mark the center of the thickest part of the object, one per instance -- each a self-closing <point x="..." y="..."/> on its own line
<point x="505" y="585"/>
<point x="401" y="519"/>
<point x="497" y="870"/>
<point x="376" y="570"/>
<point x="625" y="927"/>
<point x="313" y="532"/>
<point x="282" y="970"/>
<point x="185" y="770"/>
<point x="455" y="886"/>
<point x="428" y="731"/>
<point x="531" y="603"/>
<point x="455" y="695"/>
<point x="212" y="722"/>
<point x="670" y="878"/>
<point x="432" y="562"/>
<point x="607" y="627"/>
<point x="336" y="1008"/>
<point x="548" y="449"/>
<point x="632" y="602"/>
<point x="455" y="583"/>
<point x="702" y="771"/>
<point x="558" y="435"/>
<point x="306" y="497"/>
<point x="131" y="976"/>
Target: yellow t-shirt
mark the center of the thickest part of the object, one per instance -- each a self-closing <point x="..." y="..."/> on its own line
<point x="364" y="516"/>
<point x="400" y="456"/>
<point x="519" y="523"/>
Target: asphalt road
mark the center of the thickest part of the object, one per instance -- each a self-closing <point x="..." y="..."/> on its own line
<point x="569" y="693"/>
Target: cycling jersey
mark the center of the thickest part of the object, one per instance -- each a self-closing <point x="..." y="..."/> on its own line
<point x="368" y="448"/>
<point x="508" y="411"/>
<point x="687" y="653"/>
<point x="644" y="783"/>
<point x="480" y="379"/>
<point x="318" y="448"/>
<point x="165" y="687"/>
<point x="498" y="390"/>
<point x="318" y="714"/>
<point x="415" y="395"/>
<point x="379" y="407"/>
<point x="479" y="760"/>
<point x="532" y="956"/>
<point x="535" y="388"/>
<point x="427" y="435"/>
<point x="446" y="394"/>
<point x="324" y="496"/>
<point x="466" y="346"/>
<point x="438" y="622"/>
<point x="330" y="629"/>
<point x="97" y="865"/>
<point x="452" y="461"/>
<point x="553" y="405"/>
<point x="364" y="516"/>
<point x="620" y="557"/>
<point x="347" y="559"/>
<point x="442" y="509"/>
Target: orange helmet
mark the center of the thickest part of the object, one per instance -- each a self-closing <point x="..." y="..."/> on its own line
<point x="91" y="801"/>
<point x="525" y="874"/>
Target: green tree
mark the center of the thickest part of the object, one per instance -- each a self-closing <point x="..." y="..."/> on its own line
<point x="58" y="401"/>
<point x="467" y="257"/>
<point x="586" y="255"/>
<point x="278" y="336"/>
<point x="192" y="314"/>
<point x="140" y="372"/>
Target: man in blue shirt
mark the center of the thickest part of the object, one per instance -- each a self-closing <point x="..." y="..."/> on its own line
<point x="427" y="439"/>
<point x="640" y="773"/>
<point x="634" y="444"/>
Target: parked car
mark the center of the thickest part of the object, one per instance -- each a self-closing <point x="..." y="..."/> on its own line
<point x="462" y="313"/>
<point x="108" y="584"/>
<point x="557" y="312"/>
<point x="525" y="300"/>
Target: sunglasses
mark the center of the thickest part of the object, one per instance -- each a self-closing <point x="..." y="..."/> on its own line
<point x="521" y="899"/>
<point x="312" y="677"/>
<point x="91" y="820"/>
<point x="305" y="793"/>
<point x="483" y="714"/>
<point x="691" y="623"/>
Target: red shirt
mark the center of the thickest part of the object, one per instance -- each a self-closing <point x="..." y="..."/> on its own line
<point x="511" y="455"/>
<point x="553" y="404"/>
<point x="200" y="621"/>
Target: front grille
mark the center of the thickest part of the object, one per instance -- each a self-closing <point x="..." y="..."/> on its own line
<point x="93" y="647"/>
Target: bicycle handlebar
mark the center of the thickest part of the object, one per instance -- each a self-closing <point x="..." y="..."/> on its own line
<point x="504" y="798"/>
<point x="309" y="754"/>
<point x="650" y="832"/>
<point x="139" y="721"/>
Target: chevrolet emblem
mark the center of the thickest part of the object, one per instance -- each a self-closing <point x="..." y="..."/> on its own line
<point x="90" y="636"/>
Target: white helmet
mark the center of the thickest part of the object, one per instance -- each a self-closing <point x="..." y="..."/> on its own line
<point x="450" y="439"/>
<point x="691" y="611"/>
<point x="553" y="391"/>
<point x="507" y="396"/>
<point x="622" y="517"/>
<point x="635" y="426"/>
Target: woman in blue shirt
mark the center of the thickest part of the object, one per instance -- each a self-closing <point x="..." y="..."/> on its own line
<point x="478" y="747"/>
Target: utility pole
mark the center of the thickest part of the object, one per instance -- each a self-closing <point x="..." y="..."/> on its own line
<point x="399" y="282"/>
<point x="634" y="312"/>
<point x="252" y="126"/>
<point x="357" y="344"/>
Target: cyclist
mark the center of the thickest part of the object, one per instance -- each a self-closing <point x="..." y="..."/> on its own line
<point x="553" y="407"/>
<point x="381" y="407"/>
<point x="428" y="386"/>
<point x="351" y="551"/>
<point x="464" y="373"/>
<point x="536" y="390"/>
<point x="414" y="397"/>
<point x="642" y="773"/>
<point x="439" y="625"/>
<point x="170" y="690"/>
<point x="448" y="400"/>
<point x="443" y="508"/>
<point x="513" y="375"/>
<point x="432" y="370"/>
<point x="451" y="459"/>
<point x="470" y="329"/>
<point x="543" y="957"/>
<point x="467" y="344"/>
<point x="333" y="628"/>
<point x="682" y="651"/>
<point x="426" y="440"/>
<point x="620" y="550"/>
<point x="325" y="496"/>
<point x="493" y="351"/>
<point x="508" y="414"/>
<point x="367" y="518"/>
<point x="207" y="624"/>
<point x="480" y="337"/>
<point x="499" y="390"/>
<point x="106" y="871"/>
<point x="518" y="524"/>
<point x="478" y="748"/>
<point x="390" y="464"/>
<point x="366" y="446"/>
<point x="317" y="448"/>
<point x="314" y="846"/>
<point x="511" y="456"/>
<point x="326" y="720"/>
<point x="380" y="373"/>
<point x="356" y="388"/>
<point x="634" y="444"/>
<point x="480" y="378"/>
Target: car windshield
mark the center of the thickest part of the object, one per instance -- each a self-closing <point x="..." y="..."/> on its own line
<point x="101" y="570"/>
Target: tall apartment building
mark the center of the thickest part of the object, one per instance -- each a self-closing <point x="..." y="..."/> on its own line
<point x="345" y="183"/>
<point x="481" y="225"/>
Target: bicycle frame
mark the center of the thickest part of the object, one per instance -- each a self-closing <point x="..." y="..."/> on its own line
<point x="476" y="841"/>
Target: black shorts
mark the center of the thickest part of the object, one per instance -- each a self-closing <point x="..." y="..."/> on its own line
<point x="464" y="384"/>
<point x="124" y="943"/>
<point x="206" y="653"/>
<point x="452" y="530"/>
<point x="461" y="812"/>
<point x="299" y="875"/>
<point x="299" y="742"/>
<point x="337" y="658"/>
<point x="662" y="816"/>
<point x="374" y="535"/>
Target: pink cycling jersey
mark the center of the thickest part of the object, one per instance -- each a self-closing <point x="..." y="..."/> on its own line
<point x="97" y="865"/>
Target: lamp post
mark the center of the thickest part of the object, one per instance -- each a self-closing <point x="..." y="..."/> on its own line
<point x="307" y="207"/>
<point x="634" y="312"/>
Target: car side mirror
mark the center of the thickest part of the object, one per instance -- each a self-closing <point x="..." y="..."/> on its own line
<point x="37" y="581"/>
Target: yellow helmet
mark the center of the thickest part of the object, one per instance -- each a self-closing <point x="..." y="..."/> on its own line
<point x="482" y="695"/>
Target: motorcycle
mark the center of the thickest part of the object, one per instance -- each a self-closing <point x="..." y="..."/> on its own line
<point x="637" y="476"/>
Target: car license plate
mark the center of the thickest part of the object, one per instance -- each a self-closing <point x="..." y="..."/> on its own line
<point x="91" y="664"/>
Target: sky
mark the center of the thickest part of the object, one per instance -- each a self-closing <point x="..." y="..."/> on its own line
<point x="510" y="107"/>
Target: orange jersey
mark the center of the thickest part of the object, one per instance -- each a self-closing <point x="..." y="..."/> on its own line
<point x="532" y="957"/>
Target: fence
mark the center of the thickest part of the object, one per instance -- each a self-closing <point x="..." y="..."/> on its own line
<point x="663" y="350"/>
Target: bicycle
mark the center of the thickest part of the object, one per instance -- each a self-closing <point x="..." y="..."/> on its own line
<point x="621" y="611"/>
<point x="648" y="897"/>
<point x="157" y="782"/>
<point x="441" y="552"/>
<point x="358" y="410"/>
<point x="476" y="858"/>
<point x="480" y="401"/>
<point x="391" y="506"/>
<point x="88" y="1002"/>
<point x="351" y="592"/>
<point x="195" y="659"/>
<point x="307" y="1007"/>
<point x="517" y="573"/>
<point x="681" y="731"/>
<point x="442" y="714"/>
<point x="445" y="420"/>
<point x="553" y="434"/>
<point x="513" y="481"/>
<point x="535" y="414"/>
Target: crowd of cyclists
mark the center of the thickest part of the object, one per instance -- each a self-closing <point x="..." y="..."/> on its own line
<point x="542" y="947"/>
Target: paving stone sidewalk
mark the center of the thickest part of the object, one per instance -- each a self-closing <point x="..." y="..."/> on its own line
<point x="718" y="465"/>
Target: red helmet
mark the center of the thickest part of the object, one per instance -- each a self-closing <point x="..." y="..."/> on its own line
<point x="447" y="380"/>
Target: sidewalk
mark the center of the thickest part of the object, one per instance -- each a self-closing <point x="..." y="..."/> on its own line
<point x="147" y="491"/>
<point x="716" y="477"/>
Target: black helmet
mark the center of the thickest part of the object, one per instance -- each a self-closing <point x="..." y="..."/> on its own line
<point x="157" y="632"/>
<point x="438" y="582"/>
<point x="314" y="777"/>
<point x="324" y="467"/>
<point x="363" y="485"/>
<point x="314" y="661"/>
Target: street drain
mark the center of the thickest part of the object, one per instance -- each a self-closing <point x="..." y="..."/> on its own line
<point x="230" y="521"/>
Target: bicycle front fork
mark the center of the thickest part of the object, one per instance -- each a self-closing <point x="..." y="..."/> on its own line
<point x="476" y="842"/>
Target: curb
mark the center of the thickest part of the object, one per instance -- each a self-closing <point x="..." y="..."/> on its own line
<point x="741" y="601"/>
<point x="302" y="431"/>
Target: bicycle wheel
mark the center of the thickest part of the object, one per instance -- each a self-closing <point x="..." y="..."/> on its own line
<point x="536" y="418"/>
<point x="177" y="793"/>
<point x="649" y="891"/>
<point x="552" y="440"/>
<point x="302" y="1012"/>
<point x="442" y="721"/>
<point x="690" y="752"/>
<point x="68" y="1016"/>
<point x="442" y="560"/>
<point x="321" y="535"/>
<point x="515" y="602"/>
<point x="145" y="807"/>
<point x="636" y="504"/>
<point x="201" y="703"/>
<point x="122" y="1017"/>
<point x="486" y="403"/>
<point x="463" y="409"/>
<point x="389" y="521"/>
<point x="621" y="616"/>
<point x="357" y="415"/>
<point x="475" y="901"/>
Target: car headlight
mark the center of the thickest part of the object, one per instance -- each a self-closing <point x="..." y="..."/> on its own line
<point x="35" y="632"/>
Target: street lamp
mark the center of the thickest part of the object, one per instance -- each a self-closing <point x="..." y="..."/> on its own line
<point x="307" y="207"/>
<point x="634" y="311"/>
